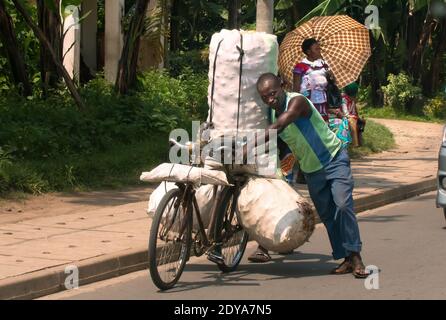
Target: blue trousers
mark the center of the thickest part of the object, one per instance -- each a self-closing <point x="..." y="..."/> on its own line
<point x="331" y="190"/>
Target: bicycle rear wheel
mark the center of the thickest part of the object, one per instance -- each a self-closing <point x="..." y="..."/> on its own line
<point x="232" y="235"/>
<point x="170" y="240"/>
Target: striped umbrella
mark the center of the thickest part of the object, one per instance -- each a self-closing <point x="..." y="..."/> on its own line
<point x="344" y="42"/>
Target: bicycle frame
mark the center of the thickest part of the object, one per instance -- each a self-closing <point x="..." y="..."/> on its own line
<point x="189" y="201"/>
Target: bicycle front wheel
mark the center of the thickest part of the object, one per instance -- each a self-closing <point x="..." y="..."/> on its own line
<point x="170" y="240"/>
<point x="232" y="235"/>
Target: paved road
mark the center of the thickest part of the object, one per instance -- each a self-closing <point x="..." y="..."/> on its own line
<point x="405" y="240"/>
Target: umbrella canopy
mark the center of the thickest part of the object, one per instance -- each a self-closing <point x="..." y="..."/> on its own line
<point x="345" y="46"/>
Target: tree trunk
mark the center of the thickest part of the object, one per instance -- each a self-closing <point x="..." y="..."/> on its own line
<point x="377" y="72"/>
<point x="49" y="23"/>
<point x="414" y="24"/>
<point x="294" y="14"/>
<point x="234" y="14"/>
<point x="265" y="16"/>
<point x="417" y="55"/>
<point x="129" y="58"/>
<point x="54" y="56"/>
<point x="166" y="17"/>
<point x="15" y="56"/>
<point x="175" y="26"/>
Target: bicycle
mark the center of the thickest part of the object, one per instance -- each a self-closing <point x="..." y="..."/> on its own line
<point x="172" y="235"/>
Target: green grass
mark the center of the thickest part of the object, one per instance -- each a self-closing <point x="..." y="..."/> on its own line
<point x="119" y="166"/>
<point x="389" y="113"/>
<point x="376" y="138"/>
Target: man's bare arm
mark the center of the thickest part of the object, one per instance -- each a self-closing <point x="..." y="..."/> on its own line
<point x="298" y="108"/>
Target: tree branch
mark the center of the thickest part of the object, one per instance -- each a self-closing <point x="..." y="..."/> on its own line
<point x="44" y="41"/>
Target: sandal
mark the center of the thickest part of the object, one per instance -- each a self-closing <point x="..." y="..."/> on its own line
<point x="358" y="267"/>
<point x="259" y="257"/>
<point x="344" y="268"/>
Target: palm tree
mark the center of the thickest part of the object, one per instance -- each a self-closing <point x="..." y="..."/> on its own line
<point x="50" y="24"/>
<point x="55" y="58"/>
<point x="129" y="58"/>
<point x="265" y="16"/>
<point x="234" y="14"/>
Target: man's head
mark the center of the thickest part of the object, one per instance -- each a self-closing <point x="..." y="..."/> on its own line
<point x="270" y="89"/>
<point x="312" y="49"/>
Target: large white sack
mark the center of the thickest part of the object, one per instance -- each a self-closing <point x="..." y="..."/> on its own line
<point x="203" y="195"/>
<point x="260" y="56"/>
<point x="175" y="172"/>
<point x="157" y="195"/>
<point x="275" y="215"/>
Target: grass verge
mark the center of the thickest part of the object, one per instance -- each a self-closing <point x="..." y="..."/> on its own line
<point x="376" y="138"/>
<point x="389" y="113"/>
<point x="119" y="166"/>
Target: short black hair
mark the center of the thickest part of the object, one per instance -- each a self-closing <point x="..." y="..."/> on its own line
<point x="306" y="45"/>
<point x="266" y="77"/>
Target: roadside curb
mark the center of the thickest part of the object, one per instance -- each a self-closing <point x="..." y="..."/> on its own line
<point x="48" y="281"/>
<point x="52" y="280"/>
<point x="394" y="195"/>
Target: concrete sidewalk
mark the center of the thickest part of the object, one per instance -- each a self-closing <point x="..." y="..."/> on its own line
<point x="110" y="239"/>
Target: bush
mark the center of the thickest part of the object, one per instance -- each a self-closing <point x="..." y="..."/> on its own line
<point x="194" y="61"/>
<point x="436" y="107"/>
<point x="400" y="92"/>
<point x="51" y="145"/>
<point x="41" y="129"/>
<point x="365" y="95"/>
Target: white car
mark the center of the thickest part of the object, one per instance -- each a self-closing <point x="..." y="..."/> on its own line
<point x="441" y="176"/>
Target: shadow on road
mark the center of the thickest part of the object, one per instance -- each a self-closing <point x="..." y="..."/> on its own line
<point x="387" y="218"/>
<point x="296" y="265"/>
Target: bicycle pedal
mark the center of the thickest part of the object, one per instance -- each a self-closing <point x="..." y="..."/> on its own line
<point x="218" y="259"/>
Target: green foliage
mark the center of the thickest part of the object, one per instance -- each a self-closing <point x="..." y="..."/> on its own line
<point x="400" y="91"/>
<point x="118" y="166"/>
<point x="193" y="61"/>
<point x="40" y="129"/>
<point x="28" y="43"/>
<point x="365" y="95"/>
<point x="436" y="107"/>
<point x="17" y="177"/>
<point x="200" y="19"/>
<point x="389" y="113"/>
<point x="176" y="100"/>
<point x="49" y="145"/>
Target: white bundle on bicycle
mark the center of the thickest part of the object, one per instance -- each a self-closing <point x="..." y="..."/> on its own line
<point x="204" y="196"/>
<point x="237" y="58"/>
<point x="175" y="172"/>
<point x="260" y="54"/>
<point x="275" y="215"/>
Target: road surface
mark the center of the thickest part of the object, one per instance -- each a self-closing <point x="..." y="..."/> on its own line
<point x="405" y="240"/>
